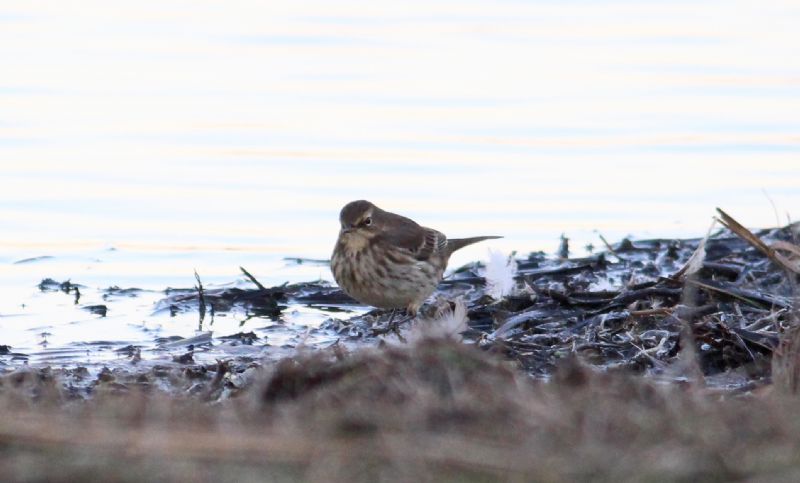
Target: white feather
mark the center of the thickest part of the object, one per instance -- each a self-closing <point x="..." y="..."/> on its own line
<point x="499" y="273"/>
<point x="448" y="325"/>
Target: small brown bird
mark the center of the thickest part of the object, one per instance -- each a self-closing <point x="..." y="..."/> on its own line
<point x="389" y="261"/>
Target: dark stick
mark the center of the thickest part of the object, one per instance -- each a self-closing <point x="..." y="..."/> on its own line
<point x="252" y="279"/>
<point x="201" y="306"/>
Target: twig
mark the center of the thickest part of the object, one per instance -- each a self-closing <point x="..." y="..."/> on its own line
<point x="774" y="208"/>
<point x="730" y="223"/>
<point x="650" y="312"/>
<point x="608" y="245"/>
<point x="751" y="298"/>
<point x="252" y="279"/>
<point x="201" y="306"/>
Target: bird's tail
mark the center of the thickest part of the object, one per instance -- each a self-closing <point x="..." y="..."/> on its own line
<point x="454" y="244"/>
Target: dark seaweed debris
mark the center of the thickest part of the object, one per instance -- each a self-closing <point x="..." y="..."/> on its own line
<point x="260" y="302"/>
<point x="100" y="310"/>
<point x="632" y="306"/>
<point x="50" y="285"/>
<point x="630" y="309"/>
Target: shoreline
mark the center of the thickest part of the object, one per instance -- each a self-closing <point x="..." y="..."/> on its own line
<point x="581" y="373"/>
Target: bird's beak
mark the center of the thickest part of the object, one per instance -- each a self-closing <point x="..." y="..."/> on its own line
<point x="345" y="230"/>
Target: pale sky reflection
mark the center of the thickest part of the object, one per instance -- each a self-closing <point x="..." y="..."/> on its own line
<point x="247" y="125"/>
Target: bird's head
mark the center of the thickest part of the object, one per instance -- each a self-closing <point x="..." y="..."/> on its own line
<point x="360" y="219"/>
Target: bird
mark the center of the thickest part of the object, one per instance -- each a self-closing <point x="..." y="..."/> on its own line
<point x="389" y="261"/>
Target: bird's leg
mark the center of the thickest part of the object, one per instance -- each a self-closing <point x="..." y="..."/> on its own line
<point x="387" y="324"/>
<point x="387" y="327"/>
<point x="394" y="326"/>
<point x="411" y="313"/>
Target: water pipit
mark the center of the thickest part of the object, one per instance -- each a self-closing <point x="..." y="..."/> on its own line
<point x="389" y="261"/>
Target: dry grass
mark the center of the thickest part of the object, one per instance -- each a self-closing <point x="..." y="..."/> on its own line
<point x="786" y="358"/>
<point x="437" y="410"/>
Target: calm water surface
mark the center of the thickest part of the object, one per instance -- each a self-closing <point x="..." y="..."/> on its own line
<point x="140" y="144"/>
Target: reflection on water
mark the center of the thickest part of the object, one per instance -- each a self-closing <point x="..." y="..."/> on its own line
<point x="207" y="136"/>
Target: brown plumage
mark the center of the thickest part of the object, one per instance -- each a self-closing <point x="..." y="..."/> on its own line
<point x="389" y="261"/>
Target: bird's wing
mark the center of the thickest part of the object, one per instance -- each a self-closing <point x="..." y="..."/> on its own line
<point x="420" y="241"/>
<point x="434" y="241"/>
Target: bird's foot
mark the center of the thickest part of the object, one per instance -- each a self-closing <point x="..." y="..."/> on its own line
<point x="392" y="326"/>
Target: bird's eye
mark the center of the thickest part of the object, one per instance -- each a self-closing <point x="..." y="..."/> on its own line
<point x="367" y="221"/>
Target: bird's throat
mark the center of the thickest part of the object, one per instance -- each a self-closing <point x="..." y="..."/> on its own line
<point x="354" y="242"/>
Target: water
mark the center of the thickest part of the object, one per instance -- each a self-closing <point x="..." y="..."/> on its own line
<point x="140" y="144"/>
